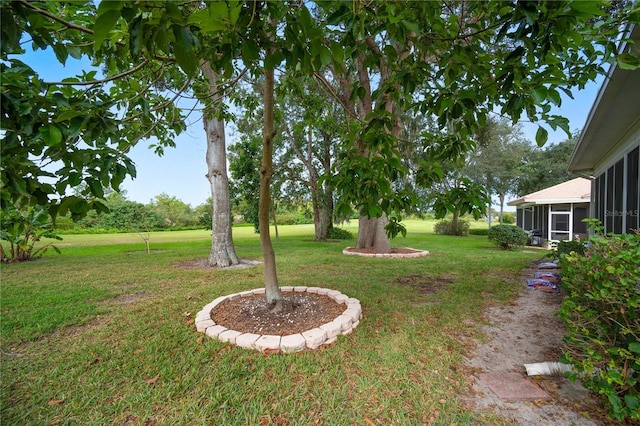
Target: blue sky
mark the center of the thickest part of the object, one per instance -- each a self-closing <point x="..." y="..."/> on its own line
<point x="181" y="171"/>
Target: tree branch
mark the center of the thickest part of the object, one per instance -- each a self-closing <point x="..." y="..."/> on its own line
<point x="334" y="95"/>
<point x="104" y="80"/>
<point x="56" y="18"/>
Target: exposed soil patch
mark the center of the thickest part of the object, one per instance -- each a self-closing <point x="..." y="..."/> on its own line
<point x="129" y="298"/>
<point x="423" y="284"/>
<point x="70" y="331"/>
<point x="204" y="264"/>
<point x="250" y="314"/>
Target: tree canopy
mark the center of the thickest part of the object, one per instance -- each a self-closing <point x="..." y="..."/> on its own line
<point x="457" y="61"/>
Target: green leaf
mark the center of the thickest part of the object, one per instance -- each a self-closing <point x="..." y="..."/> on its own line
<point x="250" y="51"/>
<point x="588" y="7"/>
<point x="74" y="179"/>
<point x="135" y="36"/>
<point x="185" y="54"/>
<point x="212" y="19"/>
<point x="540" y="93"/>
<point x="104" y="24"/>
<point x="67" y="115"/>
<point x="554" y="96"/>
<point x="96" y="187"/>
<point x="51" y="134"/>
<point x="273" y="60"/>
<point x="173" y="11"/>
<point x="337" y="51"/>
<point x="632" y="401"/>
<point x="634" y="347"/>
<point x="541" y="136"/>
<point x="325" y="56"/>
<point x="627" y="61"/>
<point x="60" y="52"/>
<point x="235" y="7"/>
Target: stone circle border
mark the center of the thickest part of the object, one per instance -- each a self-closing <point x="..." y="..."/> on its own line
<point x="414" y="254"/>
<point x="327" y="333"/>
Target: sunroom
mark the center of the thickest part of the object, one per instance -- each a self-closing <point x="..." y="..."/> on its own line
<point x="555" y="213"/>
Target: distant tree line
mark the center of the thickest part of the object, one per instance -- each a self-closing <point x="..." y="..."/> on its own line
<point x="163" y="212"/>
<point x="505" y="165"/>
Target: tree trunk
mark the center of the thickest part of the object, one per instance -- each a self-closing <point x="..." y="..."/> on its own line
<point x="455" y="220"/>
<point x="321" y="221"/>
<point x="275" y="220"/>
<point x="371" y="234"/>
<point x="489" y="209"/>
<point x="322" y="209"/>
<point x="222" y="253"/>
<point x="275" y="300"/>
<point x="501" y="207"/>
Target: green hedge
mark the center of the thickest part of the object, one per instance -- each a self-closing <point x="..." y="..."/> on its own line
<point x="339" y="234"/>
<point x="601" y="312"/>
<point x="447" y="227"/>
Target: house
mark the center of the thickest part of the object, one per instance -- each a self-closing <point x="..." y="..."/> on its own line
<point x="609" y="147"/>
<point x="556" y="213"/>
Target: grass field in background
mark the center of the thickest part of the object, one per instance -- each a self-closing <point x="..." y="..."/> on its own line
<point x="101" y="334"/>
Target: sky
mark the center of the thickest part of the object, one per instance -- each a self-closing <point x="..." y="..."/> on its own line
<point x="181" y="171"/>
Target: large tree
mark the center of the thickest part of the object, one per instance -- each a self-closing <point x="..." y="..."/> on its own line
<point x="86" y="125"/>
<point x="222" y="252"/>
<point x="457" y="61"/>
<point x="545" y="166"/>
<point x="312" y="125"/>
<point x="497" y="161"/>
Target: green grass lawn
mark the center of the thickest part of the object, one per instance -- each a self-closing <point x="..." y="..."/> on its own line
<point x="73" y="352"/>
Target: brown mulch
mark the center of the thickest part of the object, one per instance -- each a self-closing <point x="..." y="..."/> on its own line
<point x="249" y="314"/>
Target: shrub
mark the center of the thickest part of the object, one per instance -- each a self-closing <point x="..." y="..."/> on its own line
<point x="508" y="218"/>
<point x="22" y="230"/>
<point x="339" y="234"/>
<point x="479" y="231"/>
<point x="446" y="227"/>
<point x="292" y="218"/>
<point x="507" y="236"/>
<point x="566" y="247"/>
<point x="602" y="317"/>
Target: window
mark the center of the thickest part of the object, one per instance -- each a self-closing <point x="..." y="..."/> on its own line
<point x="618" y="211"/>
<point x="528" y="219"/>
<point x="599" y="197"/>
<point x="608" y="216"/>
<point x="579" y="213"/>
<point x="633" y="190"/>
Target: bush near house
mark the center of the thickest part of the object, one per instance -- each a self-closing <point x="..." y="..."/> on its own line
<point x="601" y="312"/>
<point x="566" y="247"/>
<point x="507" y="236"/>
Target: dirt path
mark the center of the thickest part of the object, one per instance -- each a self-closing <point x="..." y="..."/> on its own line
<point x="528" y="331"/>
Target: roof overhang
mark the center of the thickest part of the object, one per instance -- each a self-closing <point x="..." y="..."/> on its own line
<point x="614" y="113"/>
<point x="528" y="203"/>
